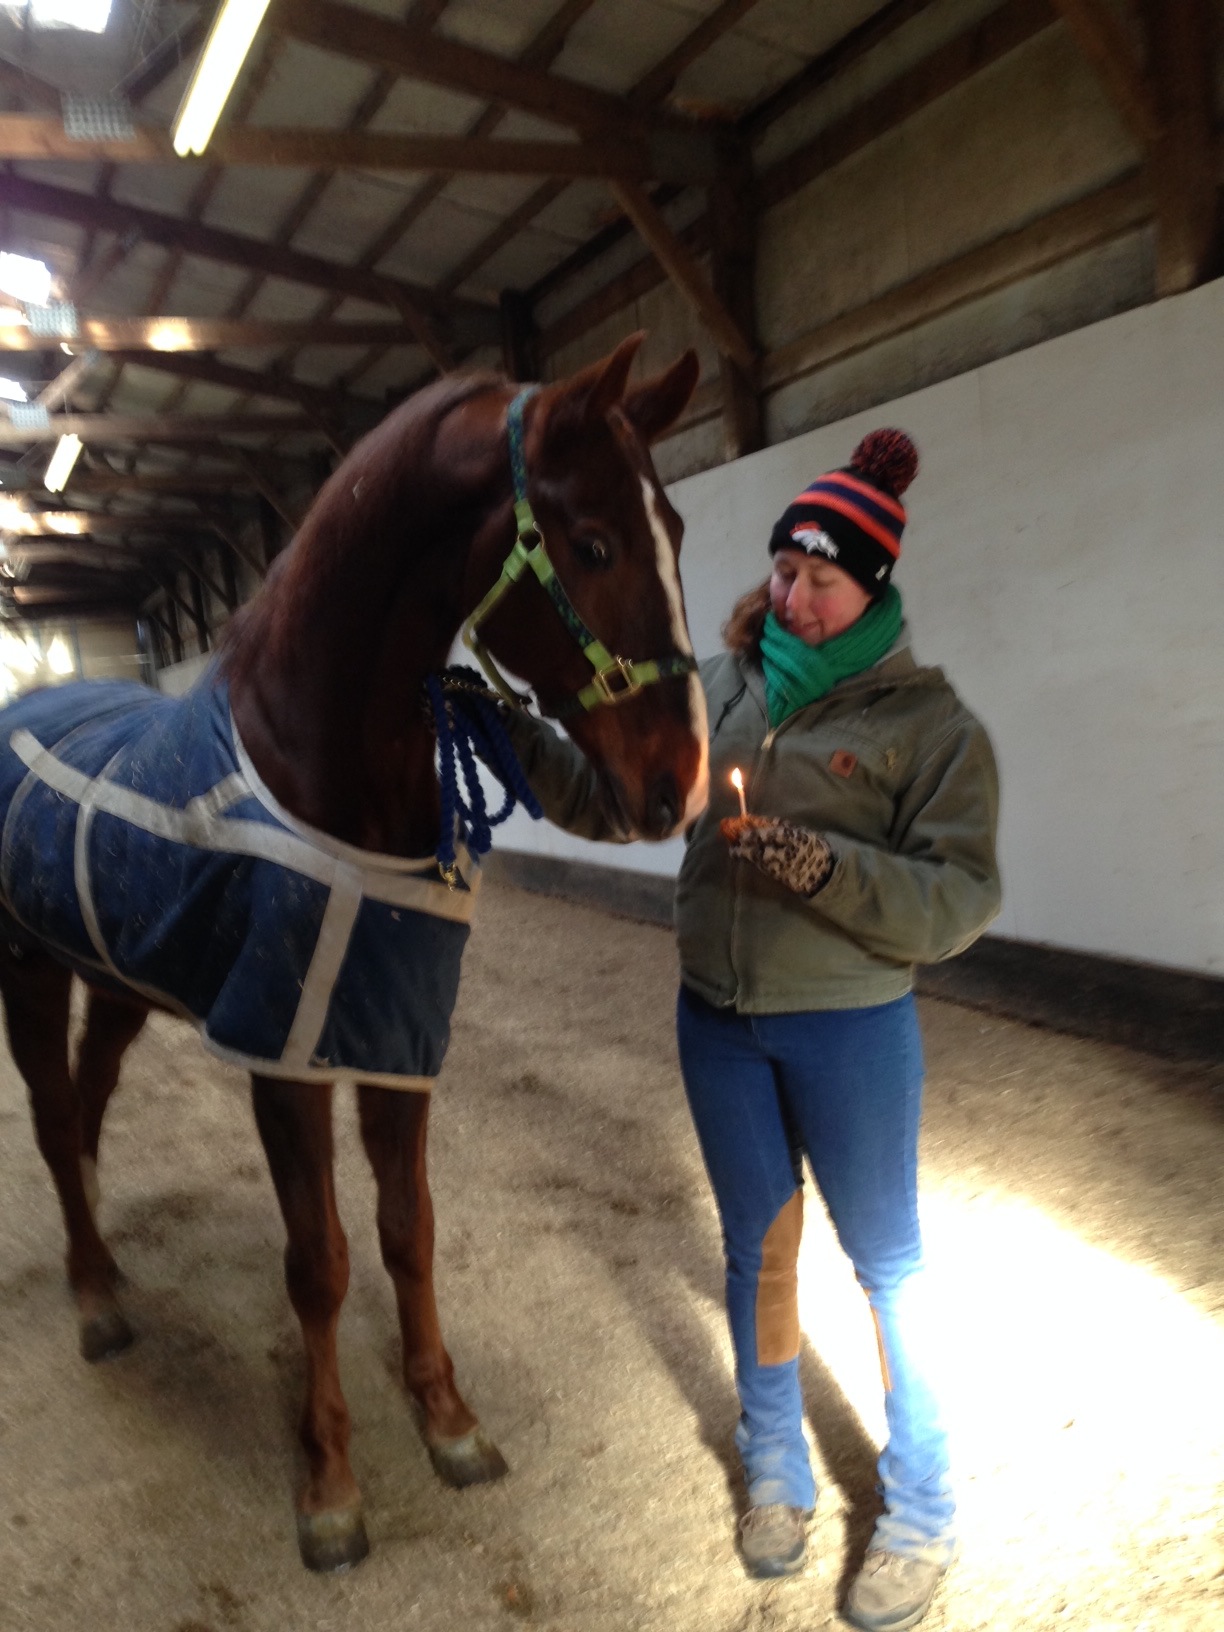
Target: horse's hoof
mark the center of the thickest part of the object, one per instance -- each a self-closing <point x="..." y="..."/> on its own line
<point x="471" y="1460"/>
<point x="332" y="1542"/>
<point x="105" y="1335"/>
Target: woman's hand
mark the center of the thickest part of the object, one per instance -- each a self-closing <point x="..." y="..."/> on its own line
<point x="793" y="855"/>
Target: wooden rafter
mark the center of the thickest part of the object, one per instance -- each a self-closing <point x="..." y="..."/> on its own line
<point x="1107" y="46"/>
<point x="541" y="51"/>
<point x="108" y="482"/>
<point x="70" y="526"/>
<point x="684" y="272"/>
<point x="652" y="87"/>
<point x="317" y="400"/>
<point x="102" y="428"/>
<point x="194" y="334"/>
<point x="661" y="80"/>
<point x="235" y="249"/>
<point x="419" y="54"/>
<point x="423" y="13"/>
<point x="28" y="137"/>
<point x="263" y="484"/>
<point x="58" y="392"/>
<point x="163" y="60"/>
<point x="31" y="87"/>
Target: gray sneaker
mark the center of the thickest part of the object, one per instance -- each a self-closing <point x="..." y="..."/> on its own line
<point x="892" y="1591"/>
<point x="773" y="1539"/>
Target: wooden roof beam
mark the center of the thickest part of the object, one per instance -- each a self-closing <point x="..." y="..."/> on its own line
<point x="103" y="428"/>
<point x="416" y="53"/>
<point x="207" y="370"/>
<point x="176" y="335"/>
<point x="653" y="87"/>
<point x="29" y="137"/>
<point x="685" y="273"/>
<point x="234" y="249"/>
<point x="1107" y="46"/>
<point x="84" y="481"/>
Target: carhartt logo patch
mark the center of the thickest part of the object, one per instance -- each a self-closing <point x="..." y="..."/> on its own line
<point x="843" y="762"/>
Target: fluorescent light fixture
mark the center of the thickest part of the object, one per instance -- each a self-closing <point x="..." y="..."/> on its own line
<point x="219" y="66"/>
<point x="13" y="390"/>
<point x="67" y="452"/>
<point x="25" y="279"/>
<point x="90" y="15"/>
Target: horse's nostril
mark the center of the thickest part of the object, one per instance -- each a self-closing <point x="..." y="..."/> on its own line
<point x="663" y="804"/>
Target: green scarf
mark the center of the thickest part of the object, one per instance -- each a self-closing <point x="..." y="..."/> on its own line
<point x="797" y="674"/>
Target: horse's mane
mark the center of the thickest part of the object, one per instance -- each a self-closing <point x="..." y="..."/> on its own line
<point x="359" y="506"/>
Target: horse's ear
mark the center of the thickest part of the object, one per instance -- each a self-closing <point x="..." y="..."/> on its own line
<point x="659" y="402"/>
<point x="597" y="389"/>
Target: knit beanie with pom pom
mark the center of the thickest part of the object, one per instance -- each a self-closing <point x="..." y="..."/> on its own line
<point x="854" y="517"/>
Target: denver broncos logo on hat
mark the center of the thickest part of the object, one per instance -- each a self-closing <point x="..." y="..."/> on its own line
<point x="814" y="540"/>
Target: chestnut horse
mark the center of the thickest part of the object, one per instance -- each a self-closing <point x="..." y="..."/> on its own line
<point x="325" y="671"/>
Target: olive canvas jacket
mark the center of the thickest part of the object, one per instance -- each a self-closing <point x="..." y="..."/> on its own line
<point x="890" y="767"/>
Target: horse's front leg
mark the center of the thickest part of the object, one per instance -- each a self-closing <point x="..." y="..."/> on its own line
<point x="294" y="1121"/>
<point x="393" y="1128"/>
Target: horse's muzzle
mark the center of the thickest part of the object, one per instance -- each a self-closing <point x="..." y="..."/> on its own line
<point x="663" y="807"/>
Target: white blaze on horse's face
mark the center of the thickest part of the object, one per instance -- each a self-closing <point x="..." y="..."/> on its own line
<point x="669" y="577"/>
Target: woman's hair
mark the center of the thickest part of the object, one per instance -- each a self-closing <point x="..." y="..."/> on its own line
<point x="742" y="630"/>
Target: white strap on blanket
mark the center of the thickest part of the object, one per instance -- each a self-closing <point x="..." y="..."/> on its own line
<point x="203" y="824"/>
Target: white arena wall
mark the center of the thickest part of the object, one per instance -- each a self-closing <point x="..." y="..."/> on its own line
<point x="1065" y="563"/>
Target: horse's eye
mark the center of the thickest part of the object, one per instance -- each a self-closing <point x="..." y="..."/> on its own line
<point x="593" y="550"/>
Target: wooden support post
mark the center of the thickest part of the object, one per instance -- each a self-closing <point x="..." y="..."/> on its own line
<point x="518" y="336"/>
<point x="1183" y="165"/>
<point x="733" y="267"/>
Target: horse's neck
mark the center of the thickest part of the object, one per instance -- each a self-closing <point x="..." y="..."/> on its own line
<point x="327" y="694"/>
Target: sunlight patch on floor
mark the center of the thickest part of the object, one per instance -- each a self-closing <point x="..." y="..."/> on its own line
<point x="1082" y="1393"/>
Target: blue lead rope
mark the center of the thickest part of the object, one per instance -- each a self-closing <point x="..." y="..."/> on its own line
<point x="467" y="719"/>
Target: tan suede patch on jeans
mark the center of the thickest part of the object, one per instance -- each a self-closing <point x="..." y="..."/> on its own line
<point x="777" y="1303"/>
<point x="885" y="1373"/>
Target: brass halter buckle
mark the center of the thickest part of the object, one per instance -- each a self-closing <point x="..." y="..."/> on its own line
<point x="617" y="683"/>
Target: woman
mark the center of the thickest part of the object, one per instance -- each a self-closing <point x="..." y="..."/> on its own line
<point x="870" y="850"/>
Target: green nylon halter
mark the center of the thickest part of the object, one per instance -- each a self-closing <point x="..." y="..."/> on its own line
<point x="616" y="678"/>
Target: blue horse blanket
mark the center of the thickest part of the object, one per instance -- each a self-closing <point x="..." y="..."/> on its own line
<point x="138" y="844"/>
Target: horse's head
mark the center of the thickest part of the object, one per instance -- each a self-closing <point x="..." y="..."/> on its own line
<point x="631" y="701"/>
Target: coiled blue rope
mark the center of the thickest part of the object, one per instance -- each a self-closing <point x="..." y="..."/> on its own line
<point x="468" y="722"/>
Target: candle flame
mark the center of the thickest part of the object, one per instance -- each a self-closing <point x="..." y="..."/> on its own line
<point x="737" y="779"/>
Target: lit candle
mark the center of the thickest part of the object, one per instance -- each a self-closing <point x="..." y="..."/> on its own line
<point x="737" y="782"/>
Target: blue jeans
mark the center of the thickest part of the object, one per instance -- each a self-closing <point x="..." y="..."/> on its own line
<point x="844" y="1088"/>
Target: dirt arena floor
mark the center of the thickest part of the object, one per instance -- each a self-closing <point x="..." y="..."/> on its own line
<point x="1072" y="1200"/>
